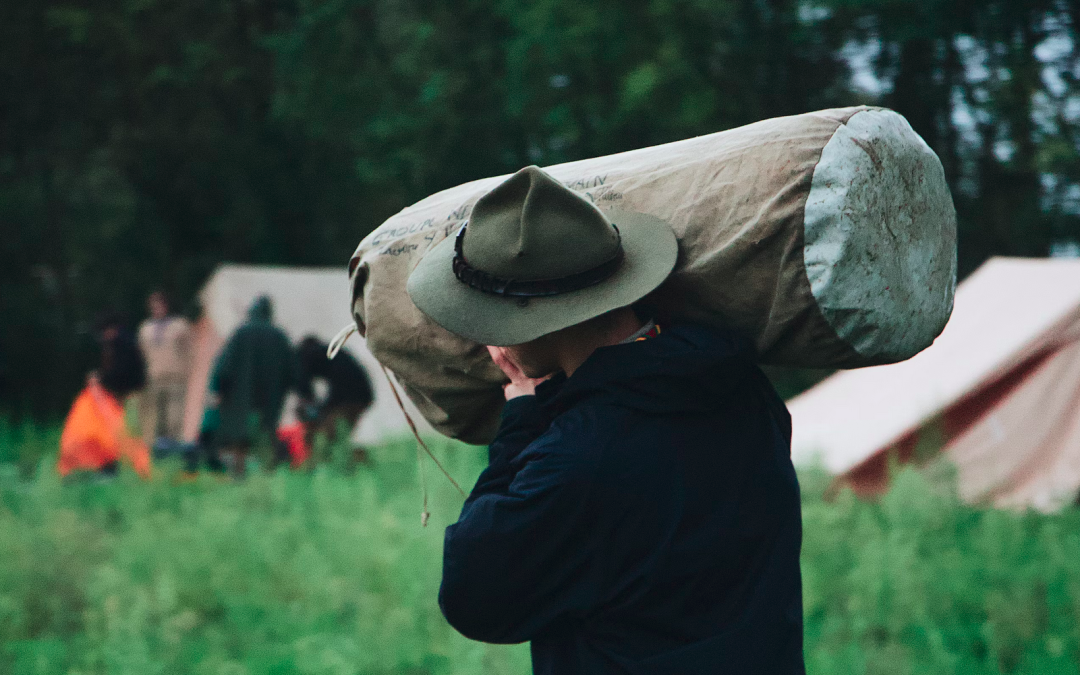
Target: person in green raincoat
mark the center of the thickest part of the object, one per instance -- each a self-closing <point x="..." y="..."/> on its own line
<point x="251" y="378"/>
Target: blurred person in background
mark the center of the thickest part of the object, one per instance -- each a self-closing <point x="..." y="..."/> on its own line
<point x="349" y="391"/>
<point x="165" y="341"/>
<point x="95" y="436"/>
<point x="251" y="377"/>
<point x="122" y="370"/>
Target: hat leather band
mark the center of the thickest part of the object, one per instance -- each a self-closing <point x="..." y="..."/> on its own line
<point x="533" y="288"/>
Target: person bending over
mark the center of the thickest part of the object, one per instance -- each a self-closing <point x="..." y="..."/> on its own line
<point x="349" y="391"/>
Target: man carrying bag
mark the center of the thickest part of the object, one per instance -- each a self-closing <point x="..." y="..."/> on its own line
<point x="640" y="512"/>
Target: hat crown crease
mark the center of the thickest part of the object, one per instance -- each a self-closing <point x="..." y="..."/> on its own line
<point x="531" y="227"/>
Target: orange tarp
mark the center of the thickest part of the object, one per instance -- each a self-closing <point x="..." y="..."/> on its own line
<point x="95" y="435"/>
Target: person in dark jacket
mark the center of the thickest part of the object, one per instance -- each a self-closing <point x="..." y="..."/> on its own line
<point x="639" y="512"/>
<point x="252" y="375"/>
<point x="123" y="370"/>
<point x="349" y="391"/>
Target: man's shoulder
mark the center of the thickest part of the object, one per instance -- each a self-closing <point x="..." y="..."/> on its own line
<point x="586" y="431"/>
<point x="570" y="453"/>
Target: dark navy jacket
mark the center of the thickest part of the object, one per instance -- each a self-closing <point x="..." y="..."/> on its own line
<point x="641" y="516"/>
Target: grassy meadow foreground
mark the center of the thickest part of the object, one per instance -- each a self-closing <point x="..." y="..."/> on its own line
<point x="330" y="573"/>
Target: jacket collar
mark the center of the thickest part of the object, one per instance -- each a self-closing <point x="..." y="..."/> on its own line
<point x="684" y="368"/>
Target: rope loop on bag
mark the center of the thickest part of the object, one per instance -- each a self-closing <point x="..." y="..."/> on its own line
<point x="339" y="340"/>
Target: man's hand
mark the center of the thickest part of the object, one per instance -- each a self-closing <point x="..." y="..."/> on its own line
<point x="520" y="384"/>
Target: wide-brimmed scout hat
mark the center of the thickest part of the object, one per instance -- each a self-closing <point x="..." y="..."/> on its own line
<point x="535" y="257"/>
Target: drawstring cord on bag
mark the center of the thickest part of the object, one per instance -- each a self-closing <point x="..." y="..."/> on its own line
<point x="331" y="351"/>
<point x="420" y="444"/>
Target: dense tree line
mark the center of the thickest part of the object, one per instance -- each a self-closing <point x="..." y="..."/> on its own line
<point x="144" y="141"/>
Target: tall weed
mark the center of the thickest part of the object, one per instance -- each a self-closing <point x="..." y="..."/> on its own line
<point x="918" y="583"/>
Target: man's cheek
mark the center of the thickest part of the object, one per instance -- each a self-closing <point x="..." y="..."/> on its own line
<point x="518" y="359"/>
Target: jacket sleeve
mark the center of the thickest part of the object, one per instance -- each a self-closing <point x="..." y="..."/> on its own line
<point x="290" y="364"/>
<point x="222" y="374"/>
<point x="521" y="424"/>
<point x="520" y="556"/>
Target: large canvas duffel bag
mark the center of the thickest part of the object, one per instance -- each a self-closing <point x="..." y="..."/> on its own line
<point x="828" y="238"/>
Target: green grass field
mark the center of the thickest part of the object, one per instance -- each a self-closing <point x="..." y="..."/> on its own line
<point x="331" y="573"/>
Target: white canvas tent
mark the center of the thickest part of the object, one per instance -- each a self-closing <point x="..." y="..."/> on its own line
<point x="307" y="301"/>
<point x="999" y="392"/>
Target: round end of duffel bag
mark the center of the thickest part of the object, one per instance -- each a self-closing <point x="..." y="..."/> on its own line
<point x="880" y="238"/>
